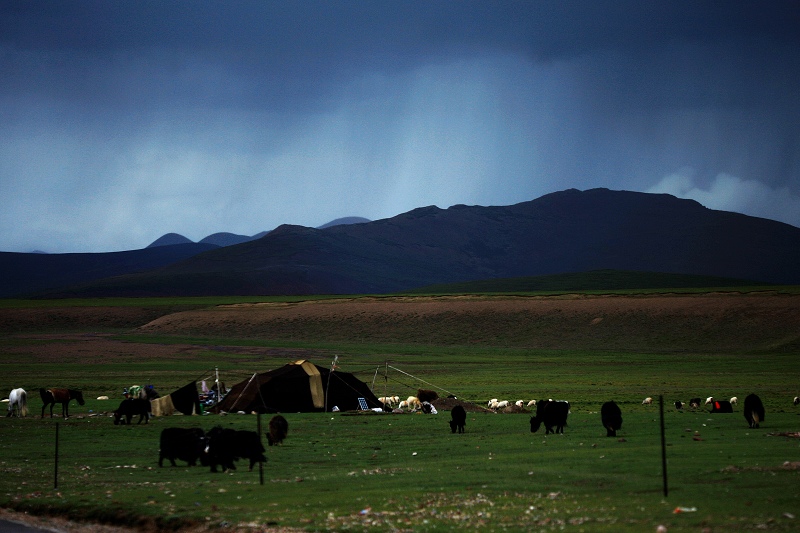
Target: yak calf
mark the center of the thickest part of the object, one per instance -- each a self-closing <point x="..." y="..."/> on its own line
<point x="459" y="419"/>
<point x="611" y="416"/>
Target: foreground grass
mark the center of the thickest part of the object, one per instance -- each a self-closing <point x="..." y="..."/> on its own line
<point x="340" y="472"/>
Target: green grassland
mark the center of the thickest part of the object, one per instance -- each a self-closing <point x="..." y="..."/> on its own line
<point x="408" y="471"/>
<point x="610" y="280"/>
<point x="366" y="471"/>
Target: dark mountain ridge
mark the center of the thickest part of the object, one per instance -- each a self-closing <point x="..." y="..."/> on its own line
<point x="229" y="239"/>
<point x="26" y="274"/>
<point x="567" y="231"/>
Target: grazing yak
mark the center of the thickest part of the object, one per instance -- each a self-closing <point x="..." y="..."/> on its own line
<point x="278" y="428"/>
<point x="551" y="414"/>
<point x="186" y="444"/>
<point x="130" y="408"/>
<point x="228" y="445"/>
<point x="611" y="417"/>
<point x="424" y="395"/>
<point x="459" y="419"/>
<point x="721" y="406"/>
<point x="694" y="403"/>
<point x="753" y="410"/>
<point x="678" y="405"/>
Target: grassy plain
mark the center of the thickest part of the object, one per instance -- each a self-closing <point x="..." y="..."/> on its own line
<point x="379" y="472"/>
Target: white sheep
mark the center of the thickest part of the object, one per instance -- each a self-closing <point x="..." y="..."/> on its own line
<point x="796" y="400"/>
<point x="493" y="400"/>
<point x="403" y="405"/>
<point x="387" y="400"/>
<point x="532" y="403"/>
<point x="519" y="403"/>
<point x="493" y="404"/>
<point x="647" y="401"/>
<point x="501" y="405"/>
<point x="413" y="403"/>
<point x="709" y="400"/>
<point x="734" y="400"/>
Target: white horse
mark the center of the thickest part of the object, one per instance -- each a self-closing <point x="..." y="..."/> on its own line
<point x="18" y="398"/>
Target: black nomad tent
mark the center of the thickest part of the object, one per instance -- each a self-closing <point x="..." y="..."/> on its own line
<point x="297" y="387"/>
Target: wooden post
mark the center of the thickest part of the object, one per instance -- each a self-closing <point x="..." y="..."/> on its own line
<point x="386" y="380"/>
<point x="260" y="463"/>
<point x="55" y="482"/>
<point x="663" y="446"/>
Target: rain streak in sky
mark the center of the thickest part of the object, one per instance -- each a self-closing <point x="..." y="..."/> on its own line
<point x="122" y="121"/>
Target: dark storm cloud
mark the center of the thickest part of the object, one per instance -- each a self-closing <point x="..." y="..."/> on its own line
<point x="125" y="120"/>
<point x="289" y="50"/>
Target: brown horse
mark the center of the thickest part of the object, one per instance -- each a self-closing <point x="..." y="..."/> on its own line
<point x="63" y="396"/>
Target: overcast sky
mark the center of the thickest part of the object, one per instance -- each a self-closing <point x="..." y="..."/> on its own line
<point x="124" y="120"/>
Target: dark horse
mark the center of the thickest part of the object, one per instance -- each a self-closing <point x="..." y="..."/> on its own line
<point x="63" y="396"/>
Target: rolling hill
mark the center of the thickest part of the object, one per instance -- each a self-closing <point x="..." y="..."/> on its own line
<point x="27" y="274"/>
<point x="567" y="231"/>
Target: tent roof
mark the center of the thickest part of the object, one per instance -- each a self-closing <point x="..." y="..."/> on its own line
<point x="300" y="386"/>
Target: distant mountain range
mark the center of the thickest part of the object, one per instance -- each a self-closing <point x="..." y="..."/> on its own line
<point x="562" y="232"/>
<point x="229" y="239"/>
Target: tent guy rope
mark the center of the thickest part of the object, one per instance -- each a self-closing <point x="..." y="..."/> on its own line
<point x="420" y="379"/>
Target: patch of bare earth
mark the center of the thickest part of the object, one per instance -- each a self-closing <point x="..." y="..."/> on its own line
<point x="87" y="318"/>
<point x="710" y="321"/>
<point x="63" y="525"/>
<point x="98" y="348"/>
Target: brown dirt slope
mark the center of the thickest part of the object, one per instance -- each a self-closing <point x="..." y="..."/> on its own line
<point x="720" y="321"/>
<point x="77" y="318"/>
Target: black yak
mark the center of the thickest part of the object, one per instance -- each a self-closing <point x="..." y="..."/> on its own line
<point x="459" y="419"/>
<point x="721" y="406"/>
<point x="186" y="444"/>
<point x="278" y="428"/>
<point x="753" y="410"/>
<point x="131" y="407"/>
<point x="228" y="445"/>
<point x="551" y="414"/>
<point x="611" y="416"/>
<point x="424" y="395"/>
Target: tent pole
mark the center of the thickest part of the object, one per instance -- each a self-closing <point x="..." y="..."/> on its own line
<point x="328" y="385"/>
<point x="243" y="390"/>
